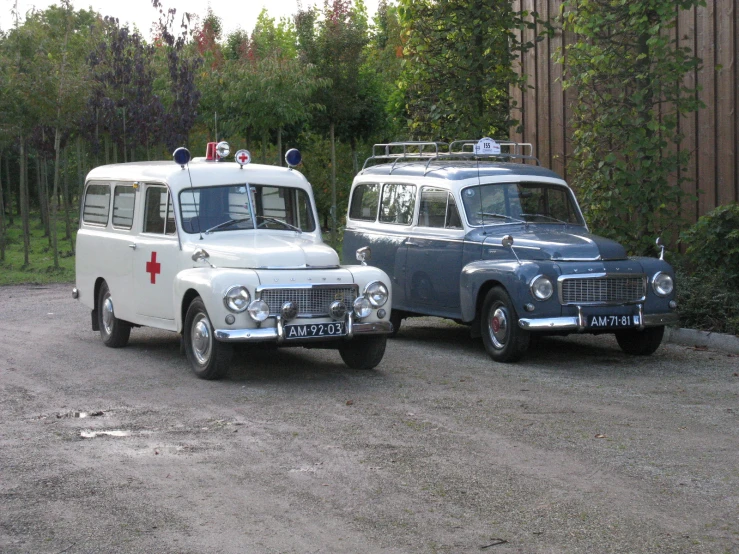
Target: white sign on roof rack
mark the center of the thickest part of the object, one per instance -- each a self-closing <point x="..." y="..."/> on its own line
<point x="487" y="147"/>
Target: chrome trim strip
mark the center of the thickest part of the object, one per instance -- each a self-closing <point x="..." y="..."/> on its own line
<point x="246" y="335"/>
<point x="549" y="323"/>
<point x="305" y="266"/>
<point x="373" y="328"/>
<point x="261" y="288"/>
<point x="655" y="320"/>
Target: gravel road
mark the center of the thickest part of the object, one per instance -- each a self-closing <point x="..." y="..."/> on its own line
<point x="577" y="449"/>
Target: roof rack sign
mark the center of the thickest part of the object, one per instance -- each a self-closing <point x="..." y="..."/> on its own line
<point x="427" y="152"/>
<point x="487" y="147"/>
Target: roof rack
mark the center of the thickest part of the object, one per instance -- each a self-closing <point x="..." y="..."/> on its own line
<point x="456" y="150"/>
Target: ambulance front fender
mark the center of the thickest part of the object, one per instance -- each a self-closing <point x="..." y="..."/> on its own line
<point x="210" y="284"/>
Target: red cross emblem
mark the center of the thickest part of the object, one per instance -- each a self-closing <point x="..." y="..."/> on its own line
<point x="154" y="268"/>
<point x="242" y="157"/>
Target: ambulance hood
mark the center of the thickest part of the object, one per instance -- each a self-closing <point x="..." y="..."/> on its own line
<point x="266" y="250"/>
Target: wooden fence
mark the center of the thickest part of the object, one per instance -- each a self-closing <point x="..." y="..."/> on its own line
<point x="711" y="134"/>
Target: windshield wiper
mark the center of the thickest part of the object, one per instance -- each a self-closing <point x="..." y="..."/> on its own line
<point x="544" y="217"/>
<point x="225" y="224"/>
<point x="279" y="222"/>
<point x="500" y="216"/>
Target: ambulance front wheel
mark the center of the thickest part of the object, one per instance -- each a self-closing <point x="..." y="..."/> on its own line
<point x="209" y="358"/>
<point x="113" y="331"/>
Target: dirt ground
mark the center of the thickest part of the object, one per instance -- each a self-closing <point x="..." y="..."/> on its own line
<point x="577" y="449"/>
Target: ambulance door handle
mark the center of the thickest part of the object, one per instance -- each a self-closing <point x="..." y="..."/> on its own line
<point x="132" y="246"/>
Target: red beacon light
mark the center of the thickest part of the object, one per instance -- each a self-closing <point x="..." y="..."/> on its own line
<point x="215" y="152"/>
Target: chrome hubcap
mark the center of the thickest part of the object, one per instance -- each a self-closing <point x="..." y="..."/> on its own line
<point x="201" y="339"/>
<point x="108" y="315"/>
<point x="499" y="327"/>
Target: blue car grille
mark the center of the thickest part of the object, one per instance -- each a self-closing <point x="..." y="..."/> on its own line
<point x="602" y="290"/>
<point x="312" y="301"/>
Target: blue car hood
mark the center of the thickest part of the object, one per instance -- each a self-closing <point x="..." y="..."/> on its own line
<point x="556" y="243"/>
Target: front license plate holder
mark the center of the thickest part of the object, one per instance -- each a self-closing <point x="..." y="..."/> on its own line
<point x="611" y="321"/>
<point x="315" y="330"/>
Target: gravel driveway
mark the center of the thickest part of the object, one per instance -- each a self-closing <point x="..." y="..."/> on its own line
<point x="577" y="449"/>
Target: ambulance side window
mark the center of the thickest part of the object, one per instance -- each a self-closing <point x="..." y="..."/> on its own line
<point x="123" y="202"/>
<point x="97" y="204"/>
<point x="159" y="213"/>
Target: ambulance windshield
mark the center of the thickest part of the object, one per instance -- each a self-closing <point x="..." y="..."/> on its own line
<point x="240" y="207"/>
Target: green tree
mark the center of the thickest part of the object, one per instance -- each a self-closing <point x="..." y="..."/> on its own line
<point x="458" y="69"/>
<point x="334" y="44"/>
<point x="627" y="74"/>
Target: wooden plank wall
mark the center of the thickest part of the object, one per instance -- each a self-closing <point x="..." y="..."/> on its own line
<point x="711" y="135"/>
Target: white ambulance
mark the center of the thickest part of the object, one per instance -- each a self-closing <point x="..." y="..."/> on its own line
<point x="222" y="253"/>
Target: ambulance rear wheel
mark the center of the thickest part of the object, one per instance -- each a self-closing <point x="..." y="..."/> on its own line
<point x="209" y="358"/>
<point x="113" y="331"/>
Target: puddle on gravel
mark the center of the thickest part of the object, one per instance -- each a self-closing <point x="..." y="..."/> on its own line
<point x="88" y="434"/>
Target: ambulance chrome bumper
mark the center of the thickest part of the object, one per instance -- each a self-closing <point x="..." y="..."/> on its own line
<point x="278" y="333"/>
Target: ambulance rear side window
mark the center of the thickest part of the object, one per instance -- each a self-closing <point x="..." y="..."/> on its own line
<point x="97" y="204"/>
<point x="123" y="201"/>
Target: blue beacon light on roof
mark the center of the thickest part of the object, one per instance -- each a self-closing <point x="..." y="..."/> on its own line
<point x="293" y="157"/>
<point x="181" y="156"/>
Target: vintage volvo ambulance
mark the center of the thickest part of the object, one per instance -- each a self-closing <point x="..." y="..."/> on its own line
<point x="222" y="253"/>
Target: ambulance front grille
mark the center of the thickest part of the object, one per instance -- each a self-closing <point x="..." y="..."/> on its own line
<point x="616" y="289"/>
<point x="312" y="301"/>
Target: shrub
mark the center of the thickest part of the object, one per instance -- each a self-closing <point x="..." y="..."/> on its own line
<point x="708" y="273"/>
<point x="713" y="242"/>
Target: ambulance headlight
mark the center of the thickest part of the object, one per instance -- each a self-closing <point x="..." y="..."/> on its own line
<point x="362" y="307"/>
<point x="376" y="292"/>
<point x="259" y="310"/>
<point x="236" y="299"/>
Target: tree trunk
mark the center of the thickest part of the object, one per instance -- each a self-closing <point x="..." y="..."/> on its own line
<point x="10" y="191"/>
<point x="23" y="196"/>
<point x="279" y="146"/>
<point x="55" y="198"/>
<point x="80" y="169"/>
<point x="264" y="147"/>
<point x="65" y="197"/>
<point x="2" y="214"/>
<point x="124" y="135"/>
<point x="333" y="185"/>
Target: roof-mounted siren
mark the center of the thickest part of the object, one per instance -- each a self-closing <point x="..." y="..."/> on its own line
<point x="215" y="152"/>
<point x="293" y="157"/>
<point x="181" y="156"/>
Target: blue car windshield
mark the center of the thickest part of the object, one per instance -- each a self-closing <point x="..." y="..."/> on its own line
<point x="246" y="206"/>
<point x="502" y="203"/>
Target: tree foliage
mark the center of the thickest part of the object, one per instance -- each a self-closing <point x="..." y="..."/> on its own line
<point x="459" y="66"/>
<point x="627" y="74"/>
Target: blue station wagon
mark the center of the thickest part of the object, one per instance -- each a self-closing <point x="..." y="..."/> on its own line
<point x="488" y="238"/>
